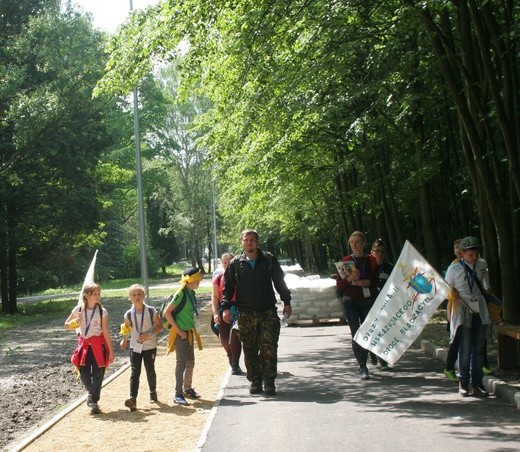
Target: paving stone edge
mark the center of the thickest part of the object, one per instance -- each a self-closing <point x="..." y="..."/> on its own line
<point x="510" y="394"/>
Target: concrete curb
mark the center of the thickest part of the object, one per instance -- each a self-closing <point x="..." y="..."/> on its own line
<point x="510" y="394"/>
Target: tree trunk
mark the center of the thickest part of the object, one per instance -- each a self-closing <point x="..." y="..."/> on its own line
<point x="3" y="265"/>
<point x="480" y="72"/>
<point x="10" y="307"/>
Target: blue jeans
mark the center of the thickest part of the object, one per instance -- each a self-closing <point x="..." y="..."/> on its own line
<point x="356" y="313"/>
<point x="471" y="351"/>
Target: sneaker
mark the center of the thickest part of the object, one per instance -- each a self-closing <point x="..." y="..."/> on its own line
<point x="191" y="393"/>
<point x="450" y="375"/>
<point x="94" y="408"/>
<point x="153" y="397"/>
<point x="236" y="370"/>
<point x="384" y="367"/>
<point x="486" y="370"/>
<point x="269" y="388"/>
<point x="131" y="403"/>
<point x="463" y="388"/>
<point x="256" y="387"/>
<point x="363" y="373"/>
<point x="479" y="391"/>
<point x="180" y="400"/>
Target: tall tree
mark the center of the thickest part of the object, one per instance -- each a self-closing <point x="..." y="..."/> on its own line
<point x="174" y="141"/>
<point x="477" y="48"/>
<point x="364" y="94"/>
<point x="53" y="135"/>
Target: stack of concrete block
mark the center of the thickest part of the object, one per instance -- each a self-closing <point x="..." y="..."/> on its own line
<point x="313" y="298"/>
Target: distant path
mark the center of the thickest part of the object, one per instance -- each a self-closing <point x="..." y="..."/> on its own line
<point x="206" y="282"/>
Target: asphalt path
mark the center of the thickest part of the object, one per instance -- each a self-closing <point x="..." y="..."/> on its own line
<point x="323" y="405"/>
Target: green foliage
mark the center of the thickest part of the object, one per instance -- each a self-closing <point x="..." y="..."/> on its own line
<point x="39" y="312"/>
<point x="314" y="118"/>
<point x="323" y="115"/>
<point x="31" y="314"/>
<point x="56" y="134"/>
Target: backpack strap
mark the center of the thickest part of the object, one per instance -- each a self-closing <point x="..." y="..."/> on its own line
<point x="150" y="311"/>
<point x="100" y="310"/>
<point x="180" y="306"/>
<point x="235" y="261"/>
<point x="270" y="260"/>
<point x="477" y="281"/>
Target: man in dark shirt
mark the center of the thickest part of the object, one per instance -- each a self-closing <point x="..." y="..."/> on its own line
<point x="250" y="277"/>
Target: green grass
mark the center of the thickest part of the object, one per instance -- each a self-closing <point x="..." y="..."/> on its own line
<point x="37" y="313"/>
<point x="173" y="275"/>
<point x="42" y="311"/>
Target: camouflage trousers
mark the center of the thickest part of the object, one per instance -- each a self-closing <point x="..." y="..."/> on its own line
<point x="259" y="333"/>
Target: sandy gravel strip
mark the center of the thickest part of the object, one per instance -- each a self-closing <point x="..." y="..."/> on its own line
<point x="153" y="426"/>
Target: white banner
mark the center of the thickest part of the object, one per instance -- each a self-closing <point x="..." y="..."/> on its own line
<point x="411" y="295"/>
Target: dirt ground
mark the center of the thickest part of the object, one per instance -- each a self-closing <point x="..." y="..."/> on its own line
<point x="37" y="381"/>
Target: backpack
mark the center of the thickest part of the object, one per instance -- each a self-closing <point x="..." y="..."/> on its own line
<point x="176" y="311"/>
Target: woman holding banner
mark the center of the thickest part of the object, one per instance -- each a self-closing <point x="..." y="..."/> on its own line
<point x="358" y="290"/>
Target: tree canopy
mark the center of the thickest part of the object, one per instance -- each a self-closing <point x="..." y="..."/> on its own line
<point x="315" y="118"/>
<point x="399" y="118"/>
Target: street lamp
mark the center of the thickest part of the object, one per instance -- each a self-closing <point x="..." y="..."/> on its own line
<point x="140" y="204"/>
<point x="215" y="252"/>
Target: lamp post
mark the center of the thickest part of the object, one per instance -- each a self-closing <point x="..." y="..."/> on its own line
<point x="215" y="252"/>
<point x="140" y="204"/>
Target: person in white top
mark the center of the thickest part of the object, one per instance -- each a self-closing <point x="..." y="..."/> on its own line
<point x="94" y="351"/>
<point x="470" y="313"/>
<point x="143" y="323"/>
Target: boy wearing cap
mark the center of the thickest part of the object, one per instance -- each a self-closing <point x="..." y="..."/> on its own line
<point x="470" y="313"/>
<point x="182" y="313"/>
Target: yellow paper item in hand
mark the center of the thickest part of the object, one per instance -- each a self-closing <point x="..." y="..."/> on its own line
<point x="125" y="330"/>
<point x="74" y="324"/>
